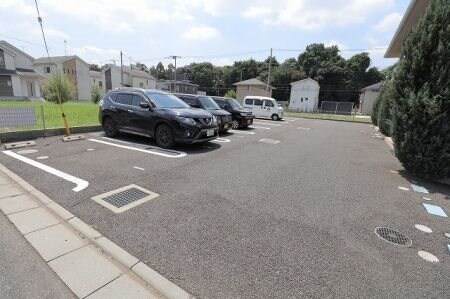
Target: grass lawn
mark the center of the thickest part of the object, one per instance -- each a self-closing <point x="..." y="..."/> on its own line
<point x="352" y="118"/>
<point x="77" y="114"/>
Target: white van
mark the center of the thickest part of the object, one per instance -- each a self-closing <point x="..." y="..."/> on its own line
<point x="263" y="107"/>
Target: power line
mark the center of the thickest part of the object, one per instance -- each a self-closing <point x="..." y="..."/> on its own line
<point x="23" y="41"/>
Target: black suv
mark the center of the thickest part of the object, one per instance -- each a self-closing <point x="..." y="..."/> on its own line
<point x="207" y="103"/>
<point x="241" y="118"/>
<point x="155" y="114"/>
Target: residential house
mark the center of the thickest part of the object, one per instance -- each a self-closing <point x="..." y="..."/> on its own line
<point x="17" y="76"/>
<point x="178" y="86"/>
<point x="414" y="12"/>
<point x="96" y="79"/>
<point x="367" y="97"/>
<point x="75" y="68"/>
<point x="252" y="87"/>
<point x="304" y="95"/>
<point x="131" y="78"/>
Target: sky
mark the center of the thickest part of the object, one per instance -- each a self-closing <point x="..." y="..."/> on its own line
<point x="218" y="31"/>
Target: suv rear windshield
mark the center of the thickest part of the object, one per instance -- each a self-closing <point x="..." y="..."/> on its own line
<point x="234" y="104"/>
<point x="163" y="100"/>
<point x="208" y="103"/>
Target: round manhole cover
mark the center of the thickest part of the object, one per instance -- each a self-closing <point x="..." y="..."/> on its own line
<point x="392" y="236"/>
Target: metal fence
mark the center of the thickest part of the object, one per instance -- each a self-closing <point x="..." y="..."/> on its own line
<point x="344" y="108"/>
<point x="26" y="116"/>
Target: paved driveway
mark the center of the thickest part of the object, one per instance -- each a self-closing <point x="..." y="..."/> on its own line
<point x="243" y="218"/>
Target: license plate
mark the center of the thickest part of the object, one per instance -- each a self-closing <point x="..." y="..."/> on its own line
<point x="249" y="121"/>
<point x="225" y="126"/>
<point x="210" y="132"/>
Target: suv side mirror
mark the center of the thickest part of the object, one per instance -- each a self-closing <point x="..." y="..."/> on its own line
<point x="144" y="105"/>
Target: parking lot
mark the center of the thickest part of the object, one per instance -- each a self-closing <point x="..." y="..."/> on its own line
<point x="284" y="209"/>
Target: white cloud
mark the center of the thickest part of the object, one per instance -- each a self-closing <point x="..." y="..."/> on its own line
<point x="96" y="55"/>
<point x="388" y="23"/>
<point x="313" y="14"/>
<point x="201" y="33"/>
<point x="18" y="6"/>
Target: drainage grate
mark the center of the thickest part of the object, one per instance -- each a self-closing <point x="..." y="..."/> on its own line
<point x="392" y="236"/>
<point x="124" y="198"/>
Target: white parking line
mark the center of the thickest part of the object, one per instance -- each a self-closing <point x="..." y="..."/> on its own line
<point x="266" y="124"/>
<point x="303" y="128"/>
<point x="117" y="140"/>
<point x="270" y="141"/>
<point x="178" y="154"/>
<point x="290" y="119"/>
<point x="224" y="140"/>
<point x="81" y="184"/>
<point x="258" y="127"/>
<point x="139" y="168"/>
<point x="242" y="132"/>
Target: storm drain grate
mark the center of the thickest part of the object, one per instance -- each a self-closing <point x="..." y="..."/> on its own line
<point x="124" y="198"/>
<point x="392" y="236"/>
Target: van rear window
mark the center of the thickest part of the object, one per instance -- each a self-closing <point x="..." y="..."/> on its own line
<point x="249" y="101"/>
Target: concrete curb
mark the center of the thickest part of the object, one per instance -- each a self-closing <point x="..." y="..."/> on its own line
<point x="122" y="257"/>
<point x="34" y="134"/>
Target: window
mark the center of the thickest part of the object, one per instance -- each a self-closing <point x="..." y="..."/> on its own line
<point x="249" y="101"/>
<point x="94" y="80"/>
<point x="301" y="100"/>
<point x="257" y="102"/>
<point x="136" y="100"/>
<point x="306" y="99"/>
<point x="268" y="103"/>
<point x="2" y="59"/>
<point x="163" y="100"/>
<point x="125" y="99"/>
<point x="64" y="71"/>
<point x="47" y="70"/>
<point x="100" y="84"/>
<point x="113" y="96"/>
<point x="141" y="84"/>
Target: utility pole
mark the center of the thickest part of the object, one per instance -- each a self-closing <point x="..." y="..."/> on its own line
<point x="65" y="47"/>
<point x="270" y="66"/>
<point x="174" y="57"/>
<point x="121" y="69"/>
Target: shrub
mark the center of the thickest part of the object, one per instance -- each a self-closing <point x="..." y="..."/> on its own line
<point x="95" y="94"/>
<point x="230" y="94"/>
<point x="421" y="113"/>
<point x="375" y="109"/>
<point x="387" y="98"/>
<point x="58" y="84"/>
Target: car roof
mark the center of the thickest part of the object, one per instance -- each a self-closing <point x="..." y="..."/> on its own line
<point x="135" y="89"/>
<point x="259" y="97"/>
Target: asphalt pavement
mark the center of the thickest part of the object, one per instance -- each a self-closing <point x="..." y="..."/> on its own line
<point x="241" y="218"/>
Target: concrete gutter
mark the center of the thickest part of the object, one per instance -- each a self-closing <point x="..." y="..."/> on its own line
<point x="34" y="134"/>
<point x="117" y="259"/>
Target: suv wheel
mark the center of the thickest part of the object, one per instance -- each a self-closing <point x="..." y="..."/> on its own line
<point x="164" y="136"/>
<point x="109" y="126"/>
<point x="234" y="124"/>
<point x="275" y="117"/>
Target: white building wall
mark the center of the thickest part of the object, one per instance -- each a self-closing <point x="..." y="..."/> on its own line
<point x="83" y="84"/>
<point x="17" y="86"/>
<point x="23" y="61"/>
<point x="367" y="99"/>
<point x="147" y="83"/>
<point x="304" y="96"/>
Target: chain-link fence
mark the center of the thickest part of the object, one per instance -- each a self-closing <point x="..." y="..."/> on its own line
<point x="344" y="108"/>
<point x="24" y="116"/>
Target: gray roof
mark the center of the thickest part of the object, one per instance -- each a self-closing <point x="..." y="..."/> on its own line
<point x="373" y="87"/>
<point x="56" y="59"/>
<point x="252" y="81"/>
<point x="141" y="74"/>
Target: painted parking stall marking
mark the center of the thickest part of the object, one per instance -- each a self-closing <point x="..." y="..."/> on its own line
<point x="266" y="124"/>
<point x="149" y="150"/>
<point x="435" y="210"/>
<point x="270" y="141"/>
<point x="242" y="132"/>
<point x="81" y="184"/>
<point x="303" y="128"/>
<point x="419" y="189"/>
<point x="221" y="140"/>
<point x="138" y="168"/>
<point x="403" y="188"/>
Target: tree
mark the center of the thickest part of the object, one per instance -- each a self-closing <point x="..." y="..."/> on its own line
<point x="421" y="113"/>
<point x="94" y="67"/>
<point x="95" y="94"/>
<point x="58" y="88"/>
<point x="386" y="100"/>
<point x="230" y="94"/>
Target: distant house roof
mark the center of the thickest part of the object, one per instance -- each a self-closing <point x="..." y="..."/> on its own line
<point x="415" y="11"/>
<point x="178" y="82"/>
<point x="57" y="59"/>
<point x="252" y="81"/>
<point x="141" y="74"/>
<point x="373" y="87"/>
<point x="95" y="74"/>
<point x="307" y="79"/>
<point x="5" y="44"/>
